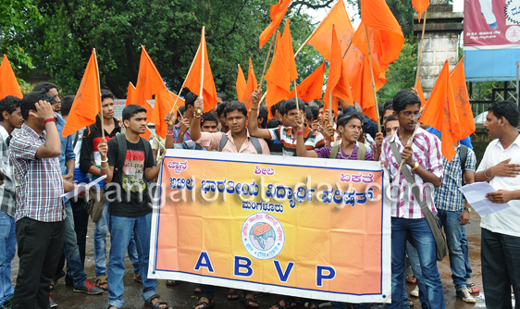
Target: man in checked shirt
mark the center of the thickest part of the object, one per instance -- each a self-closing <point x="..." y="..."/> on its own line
<point x="40" y="216"/>
<point x="421" y="154"/>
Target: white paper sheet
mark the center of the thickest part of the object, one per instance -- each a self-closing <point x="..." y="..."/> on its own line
<point x="73" y="193"/>
<point x="475" y="194"/>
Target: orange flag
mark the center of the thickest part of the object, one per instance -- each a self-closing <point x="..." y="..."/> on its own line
<point x="87" y="103"/>
<point x="130" y="93"/>
<point x="164" y="101"/>
<point x="322" y="37"/>
<point x="201" y="74"/>
<point x="358" y="70"/>
<point x="420" y="6"/>
<point x="277" y="13"/>
<point x="149" y="82"/>
<point x="420" y="92"/>
<point x="8" y="83"/>
<point x="441" y="113"/>
<point x="385" y="35"/>
<point x="460" y="92"/>
<point x="312" y="87"/>
<point x="337" y="83"/>
<point x="251" y="86"/>
<point x="241" y="83"/>
<point x="282" y="70"/>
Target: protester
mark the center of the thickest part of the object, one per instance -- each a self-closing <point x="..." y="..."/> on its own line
<point x="40" y="215"/>
<point x="90" y="162"/>
<point x="391" y="125"/>
<point x="500" y="231"/>
<point x="10" y="119"/>
<point x="422" y="154"/>
<point x="127" y="161"/>
<point x="220" y="115"/>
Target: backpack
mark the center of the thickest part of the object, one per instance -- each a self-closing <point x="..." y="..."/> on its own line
<point x="254" y="140"/>
<point x="362" y="151"/>
<point x="121" y="155"/>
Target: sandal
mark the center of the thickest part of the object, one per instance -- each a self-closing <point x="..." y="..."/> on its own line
<point x="250" y="302"/>
<point x="313" y="305"/>
<point x="101" y="282"/>
<point x="158" y="304"/>
<point x="138" y="279"/>
<point x="472" y="288"/>
<point x="172" y="282"/>
<point x="411" y="279"/>
<point x="205" y="305"/>
<point x="197" y="290"/>
<point x="287" y="305"/>
<point x="233" y="295"/>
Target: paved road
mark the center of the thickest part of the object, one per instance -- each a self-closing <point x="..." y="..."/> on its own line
<point x="181" y="296"/>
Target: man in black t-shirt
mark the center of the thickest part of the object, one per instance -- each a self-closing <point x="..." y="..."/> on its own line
<point x="128" y="172"/>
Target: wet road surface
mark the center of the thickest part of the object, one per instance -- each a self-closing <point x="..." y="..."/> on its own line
<point x="182" y="297"/>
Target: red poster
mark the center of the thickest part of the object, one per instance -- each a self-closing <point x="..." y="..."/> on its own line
<point x="490" y="23"/>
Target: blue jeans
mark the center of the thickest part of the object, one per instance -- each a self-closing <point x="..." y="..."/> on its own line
<point x="70" y="247"/>
<point x="339" y="305"/>
<point x="7" y="252"/>
<point x="425" y="245"/>
<point x="449" y="220"/>
<point x="465" y="250"/>
<point x="413" y="257"/>
<point x="100" y="245"/>
<point x="121" y="229"/>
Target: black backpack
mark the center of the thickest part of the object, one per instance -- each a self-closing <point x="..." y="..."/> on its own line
<point x="121" y="154"/>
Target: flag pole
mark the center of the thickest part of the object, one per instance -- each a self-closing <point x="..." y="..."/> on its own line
<point x="373" y="82"/>
<point x="267" y="59"/>
<point x="296" y="96"/>
<point x="349" y="44"/>
<point x="420" y="49"/>
<point x="189" y="71"/>
<point x="100" y="103"/>
<point x="203" y="41"/>
<point x="330" y="106"/>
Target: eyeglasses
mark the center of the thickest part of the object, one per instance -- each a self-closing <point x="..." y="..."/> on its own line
<point x="411" y="115"/>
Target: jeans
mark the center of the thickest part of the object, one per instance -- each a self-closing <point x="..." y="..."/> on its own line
<point x="121" y="229"/>
<point x="465" y="250"/>
<point x="7" y="252"/>
<point x="500" y="269"/>
<point x="413" y="256"/>
<point x="339" y="305"/>
<point x="425" y="245"/>
<point x="449" y="220"/>
<point x="39" y="247"/>
<point x="100" y="245"/>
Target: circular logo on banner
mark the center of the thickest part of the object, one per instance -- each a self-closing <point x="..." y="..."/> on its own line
<point x="513" y="34"/>
<point x="263" y="236"/>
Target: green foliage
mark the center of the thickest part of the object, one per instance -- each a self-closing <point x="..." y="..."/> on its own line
<point x="401" y="73"/>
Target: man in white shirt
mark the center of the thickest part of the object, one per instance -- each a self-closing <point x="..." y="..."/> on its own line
<point x="500" y="167"/>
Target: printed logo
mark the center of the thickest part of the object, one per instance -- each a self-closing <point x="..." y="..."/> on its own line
<point x="178" y="166"/>
<point x="513" y="34"/>
<point x="263" y="236"/>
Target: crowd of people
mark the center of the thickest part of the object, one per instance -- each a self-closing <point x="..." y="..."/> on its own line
<point x="38" y="165"/>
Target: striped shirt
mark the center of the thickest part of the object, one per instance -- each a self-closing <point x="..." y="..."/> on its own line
<point x="427" y="152"/>
<point x="312" y="139"/>
<point x="447" y="196"/>
<point x="8" y="189"/>
<point x="41" y="185"/>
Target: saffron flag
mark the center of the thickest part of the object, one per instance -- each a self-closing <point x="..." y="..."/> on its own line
<point x="130" y="93"/>
<point x="337" y="83"/>
<point x="241" y="83"/>
<point x="420" y="6"/>
<point x="282" y="70"/>
<point x="420" y="92"/>
<point x="87" y="103"/>
<point x="8" y="83"/>
<point x="200" y="74"/>
<point x="276" y="13"/>
<point x="322" y="37"/>
<point x="312" y="87"/>
<point x="251" y="86"/>
<point x="460" y="92"/>
<point x="441" y="113"/>
<point x="385" y="35"/>
<point x="164" y="102"/>
<point x="149" y="82"/>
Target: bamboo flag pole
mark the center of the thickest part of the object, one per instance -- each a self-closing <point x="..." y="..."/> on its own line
<point x="373" y="82"/>
<point x="267" y="59"/>
<point x="99" y="87"/>
<point x="348" y="47"/>
<point x="203" y="47"/>
<point x="296" y="96"/>
<point x="330" y="106"/>
<point x="189" y="71"/>
<point x="420" y="49"/>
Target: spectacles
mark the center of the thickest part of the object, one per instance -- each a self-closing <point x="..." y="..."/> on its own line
<point x="411" y="115"/>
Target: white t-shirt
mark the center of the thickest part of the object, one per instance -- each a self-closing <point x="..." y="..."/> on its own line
<point x="506" y="221"/>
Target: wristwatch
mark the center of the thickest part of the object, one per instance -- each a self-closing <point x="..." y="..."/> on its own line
<point x="467" y="208"/>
